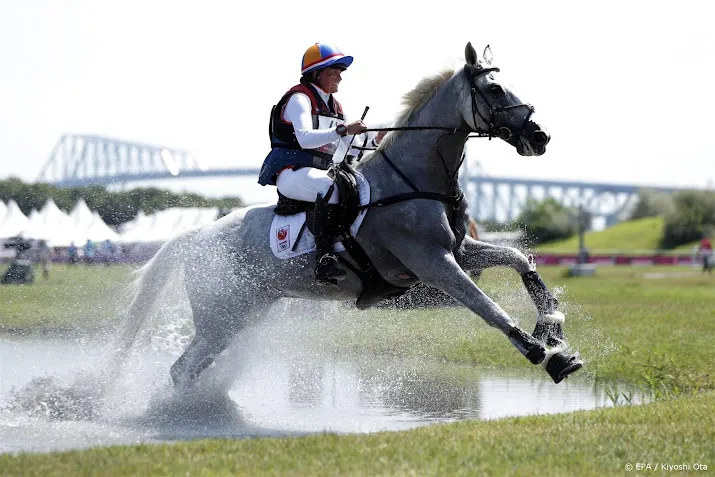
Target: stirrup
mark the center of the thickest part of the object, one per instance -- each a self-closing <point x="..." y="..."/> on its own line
<point x="327" y="270"/>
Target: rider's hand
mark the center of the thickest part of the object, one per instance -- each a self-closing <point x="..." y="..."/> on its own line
<point x="356" y="127"/>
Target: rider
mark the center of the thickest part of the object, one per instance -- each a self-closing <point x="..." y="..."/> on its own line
<point x="306" y="127"/>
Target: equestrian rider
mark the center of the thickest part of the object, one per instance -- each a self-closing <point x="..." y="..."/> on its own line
<point x="306" y="127"/>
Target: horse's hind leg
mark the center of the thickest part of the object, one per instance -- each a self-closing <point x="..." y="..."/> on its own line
<point x="216" y="325"/>
<point x="198" y="356"/>
<point x="477" y="255"/>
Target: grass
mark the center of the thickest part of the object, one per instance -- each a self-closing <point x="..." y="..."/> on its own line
<point x="634" y="235"/>
<point x="77" y="297"/>
<point x="655" y="333"/>
<point x="585" y="443"/>
<point x="688" y="247"/>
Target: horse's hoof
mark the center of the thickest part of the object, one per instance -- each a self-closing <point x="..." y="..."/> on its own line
<point x="561" y="364"/>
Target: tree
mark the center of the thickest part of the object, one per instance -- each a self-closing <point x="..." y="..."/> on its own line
<point x="652" y="204"/>
<point x="692" y="216"/>
<point x="548" y="220"/>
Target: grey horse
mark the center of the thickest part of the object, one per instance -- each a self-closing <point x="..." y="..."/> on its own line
<point x="232" y="277"/>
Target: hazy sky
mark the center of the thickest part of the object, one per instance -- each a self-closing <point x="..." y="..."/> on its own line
<point x="624" y="87"/>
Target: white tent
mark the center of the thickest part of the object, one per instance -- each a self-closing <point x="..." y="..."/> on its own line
<point x="138" y="221"/>
<point x="33" y="213"/>
<point x="36" y="227"/>
<point x="80" y="220"/>
<point x="81" y="216"/>
<point x="161" y="229"/>
<point x="135" y="230"/>
<point x="164" y="224"/>
<point x="14" y="223"/>
<point x="49" y="224"/>
<point x="191" y="217"/>
<point x="99" y="231"/>
<point x="79" y="226"/>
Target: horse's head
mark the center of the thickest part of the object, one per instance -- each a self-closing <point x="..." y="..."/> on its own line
<point x="492" y="109"/>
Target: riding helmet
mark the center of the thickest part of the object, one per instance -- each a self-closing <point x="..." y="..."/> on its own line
<point x="321" y="56"/>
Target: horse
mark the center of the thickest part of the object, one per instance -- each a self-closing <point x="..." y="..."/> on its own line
<point x="232" y="278"/>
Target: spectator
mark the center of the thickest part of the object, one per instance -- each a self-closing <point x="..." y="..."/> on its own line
<point x="706" y="254"/>
<point x="107" y="252"/>
<point x="72" y="254"/>
<point x="89" y="251"/>
<point x="44" y="255"/>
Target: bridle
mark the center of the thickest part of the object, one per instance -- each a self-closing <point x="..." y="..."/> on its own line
<point x="503" y="132"/>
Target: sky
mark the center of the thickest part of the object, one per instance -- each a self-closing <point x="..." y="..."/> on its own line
<point x="624" y="87"/>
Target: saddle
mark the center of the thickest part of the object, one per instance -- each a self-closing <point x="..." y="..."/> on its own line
<point x="341" y="216"/>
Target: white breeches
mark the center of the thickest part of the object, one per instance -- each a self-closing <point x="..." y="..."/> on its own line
<point x="305" y="184"/>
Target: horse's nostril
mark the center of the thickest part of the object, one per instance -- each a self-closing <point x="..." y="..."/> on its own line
<point x="541" y="138"/>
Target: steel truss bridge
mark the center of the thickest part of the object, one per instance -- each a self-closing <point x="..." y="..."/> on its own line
<point x="81" y="160"/>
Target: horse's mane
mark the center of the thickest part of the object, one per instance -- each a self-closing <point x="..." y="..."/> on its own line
<point x="414" y="100"/>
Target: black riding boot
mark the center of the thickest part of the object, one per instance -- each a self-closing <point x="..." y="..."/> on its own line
<point x="326" y="266"/>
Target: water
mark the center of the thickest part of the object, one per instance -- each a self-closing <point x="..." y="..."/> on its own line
<point x="52" y="396"/>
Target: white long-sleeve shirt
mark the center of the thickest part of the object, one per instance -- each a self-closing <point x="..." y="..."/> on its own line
<point x="298" y="113"/>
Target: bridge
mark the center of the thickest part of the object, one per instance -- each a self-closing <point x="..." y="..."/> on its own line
<point x="80" y="160"/>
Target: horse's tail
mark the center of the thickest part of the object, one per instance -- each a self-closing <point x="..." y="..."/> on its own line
<point x="148" y="286"/>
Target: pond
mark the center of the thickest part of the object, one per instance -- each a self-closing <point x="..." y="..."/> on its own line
<point x="53" y="396"/>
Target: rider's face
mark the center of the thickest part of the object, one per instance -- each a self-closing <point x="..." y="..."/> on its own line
<point x="329" y="79"/>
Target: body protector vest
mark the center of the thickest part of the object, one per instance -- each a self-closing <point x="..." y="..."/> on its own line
<point x="285" y="148"/>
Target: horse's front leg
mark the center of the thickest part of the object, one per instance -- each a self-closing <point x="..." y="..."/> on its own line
<point x="477" y="255"/>
<point x="437" y="267"/>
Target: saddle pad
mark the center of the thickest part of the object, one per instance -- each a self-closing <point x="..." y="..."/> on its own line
<point x="285" y="228"/>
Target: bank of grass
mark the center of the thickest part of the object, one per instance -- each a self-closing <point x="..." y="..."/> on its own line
<point x="654" y="333"/>
<point x="634" y="235"/>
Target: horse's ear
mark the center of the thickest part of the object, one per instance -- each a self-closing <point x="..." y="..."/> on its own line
<point x="488" y="55"/>
<point x="471" y="55"/>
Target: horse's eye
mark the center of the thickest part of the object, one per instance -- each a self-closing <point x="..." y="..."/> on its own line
<point x="496" y="89"/>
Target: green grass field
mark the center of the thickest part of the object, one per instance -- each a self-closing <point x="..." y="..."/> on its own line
<point x="78" y="297"/>
<point x="634" y="236"/>
<point x="653" y="333"/>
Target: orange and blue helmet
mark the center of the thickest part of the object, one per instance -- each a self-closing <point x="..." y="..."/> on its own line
<point x="321" y="56"/>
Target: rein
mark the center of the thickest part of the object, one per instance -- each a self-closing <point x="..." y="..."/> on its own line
<point x="473" y="133"/>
